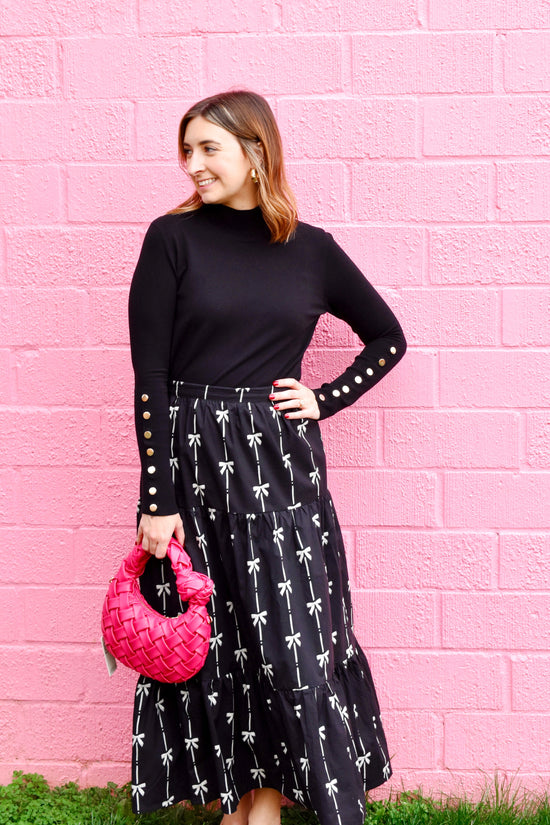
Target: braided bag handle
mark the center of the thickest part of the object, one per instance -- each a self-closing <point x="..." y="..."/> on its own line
<point x="165" y="648"/>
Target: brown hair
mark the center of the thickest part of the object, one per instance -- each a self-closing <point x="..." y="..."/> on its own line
<point x="248" y="116"/>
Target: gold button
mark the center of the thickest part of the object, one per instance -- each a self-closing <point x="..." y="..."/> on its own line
<point x="370" y="372"/>
<point x="151" y="469"/>
<point x="322" y="397"/>
<point x="147" y="434"/>
<point x="393" y="350"/>
<point x="382" y="362"/>
<point x="145" y="397"/>
<point x="150" y="451"/>
<point x="146" y="415"/>
<point x="152" y="491"/>
<point x="153" y="508"/>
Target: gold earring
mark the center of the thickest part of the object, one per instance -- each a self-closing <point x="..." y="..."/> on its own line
<point x="254" y="175"/>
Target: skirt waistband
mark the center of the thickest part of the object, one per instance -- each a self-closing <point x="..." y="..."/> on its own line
<point x="209" y="392"/>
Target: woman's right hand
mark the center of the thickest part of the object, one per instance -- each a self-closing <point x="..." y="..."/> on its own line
<point x="155" y="532"/>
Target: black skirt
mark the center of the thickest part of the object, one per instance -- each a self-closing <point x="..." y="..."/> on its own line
<point x="285" y="699"/>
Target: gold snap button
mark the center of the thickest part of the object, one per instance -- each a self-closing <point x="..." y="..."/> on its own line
<point x="146" y="415"/>
<point x="150" y="451"/>
<point x="145" y="397"/>
<point x="382" y="362"/>
<point x="153" y="508"/>
<point x="147" y="434"/>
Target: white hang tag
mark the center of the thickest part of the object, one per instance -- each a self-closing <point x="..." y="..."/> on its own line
<point x="110" y="660"/>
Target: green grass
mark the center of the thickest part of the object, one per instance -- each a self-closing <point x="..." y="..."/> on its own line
<point x="28" y="800"/>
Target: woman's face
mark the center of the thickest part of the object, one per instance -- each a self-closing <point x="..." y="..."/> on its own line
<point x="218" y="166"/>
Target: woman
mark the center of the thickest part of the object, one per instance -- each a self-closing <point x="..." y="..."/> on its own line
<point x="224" y="301"/>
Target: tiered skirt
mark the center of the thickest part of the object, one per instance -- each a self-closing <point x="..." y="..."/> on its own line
<point x="286" y="698"/>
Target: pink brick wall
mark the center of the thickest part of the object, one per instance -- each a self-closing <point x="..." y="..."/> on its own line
<point x="419" y="132"/>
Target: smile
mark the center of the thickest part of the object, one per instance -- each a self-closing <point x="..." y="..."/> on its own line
<point x="205" y="182"/>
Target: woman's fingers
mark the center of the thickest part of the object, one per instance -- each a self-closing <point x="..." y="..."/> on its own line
<point x="298" y="399"/>
<point x="156" y="532"/>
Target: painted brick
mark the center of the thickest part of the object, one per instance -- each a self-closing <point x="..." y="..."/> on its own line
<point x="440" y="681"/>
<point x="157" y="124"/>
<point x="407" y="748"/>
<point x="100" y="688"/>
<point x="353" y="128"/>
<point x="188" y="16"/>
<point x="522" y="378"/>
<point x="100" y="773"/>
<point x="341" y="15"/>
<point x="8" y="485"/>
<point x="526" y="317"/>
<point x="79" y="377"/>
<point x="58" y="671"/>
<point x="530" y="683"/>
<point x="91" y="130"/>
<point x="118" y="378"/>
<point x="55" y="497"/>
<point x="10" y="610"/>
<point x="486" y="126"/>
<point x="319" y="188"/>
<point x="117" y="444"/>
<point x="495" y="621"/>
<point x="6" y="384"/>
<point x="144" y="67"/>
<point x="23" y="543"/>
<point x="386" y="256"/>
<point x="422" y="63"/>
<point x="55" y="773"/>
<point x="30" y="193"/>
<point x="524" y="561"/>
<point x="413" y="621"/>
<point x="523" y="191"/>
<point x="83" y="732"/>
<point x="538" y="439"/>
<point x="410" y="384"/>
<point x="490" y="255"/>
<point x="420" y="192"/>
<point x="47" y="317"/>
<point x="116" y="193"/>
<point x="489" y="14"/>
<point x="507" y="741"/>
<point x="28" y="68"/>
<point x="64" y="17"/>
<point x="107" y="546"/>
<point x="465" y="317"/>
<point x="351" y="438"/>
<point x="279" y="64"/>
<point x="51" y="437"/>
<point x="109" y="316"/>
<point x="526" y="61"/>
<point x="10" y="718"/>
<point x="436" y="438"/>
<point x="79" y="256"/>
<point x="62" y="614"/>
<point x="332" y="332"/>
<point x="420" y="560"/>
<point x="498" y="500"/>
<point x="384" y="497"/>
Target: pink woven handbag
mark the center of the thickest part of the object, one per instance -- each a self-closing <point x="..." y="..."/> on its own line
<point x="169" y="649"/>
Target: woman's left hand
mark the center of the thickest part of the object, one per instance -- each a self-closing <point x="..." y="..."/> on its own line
<point x="295" y="395"/>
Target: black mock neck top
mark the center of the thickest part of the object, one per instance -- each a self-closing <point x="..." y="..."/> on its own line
<point x="212" y="301"/>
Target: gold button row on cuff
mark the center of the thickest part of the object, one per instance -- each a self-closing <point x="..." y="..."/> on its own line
<point x="146" y="415"/>
<point x="358" y="379"/>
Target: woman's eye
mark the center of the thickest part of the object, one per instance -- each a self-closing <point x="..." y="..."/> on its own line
<point x="209" y="149"/>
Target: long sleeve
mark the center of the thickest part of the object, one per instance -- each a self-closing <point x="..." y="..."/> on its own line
<point x="353" y="299"/>
<point x="151" y="318"/>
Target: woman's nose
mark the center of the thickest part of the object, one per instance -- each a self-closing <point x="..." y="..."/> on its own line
<point x="195" y="164"/>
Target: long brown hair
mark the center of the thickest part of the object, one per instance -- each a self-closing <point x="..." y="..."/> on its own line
<point x="248" y="116"/>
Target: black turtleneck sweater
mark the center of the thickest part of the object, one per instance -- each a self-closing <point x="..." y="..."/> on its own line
<point x="212" y="301"/>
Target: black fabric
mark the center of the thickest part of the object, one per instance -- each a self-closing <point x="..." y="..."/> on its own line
<point x="285" y="699"/>
<point x="213" y="301"/>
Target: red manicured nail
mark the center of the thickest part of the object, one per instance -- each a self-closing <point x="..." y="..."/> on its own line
<point x="275" y="383"/>
<point x="286" y="415"/>
<point x="275" y="406"/>
<point x="271" y="397"/>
